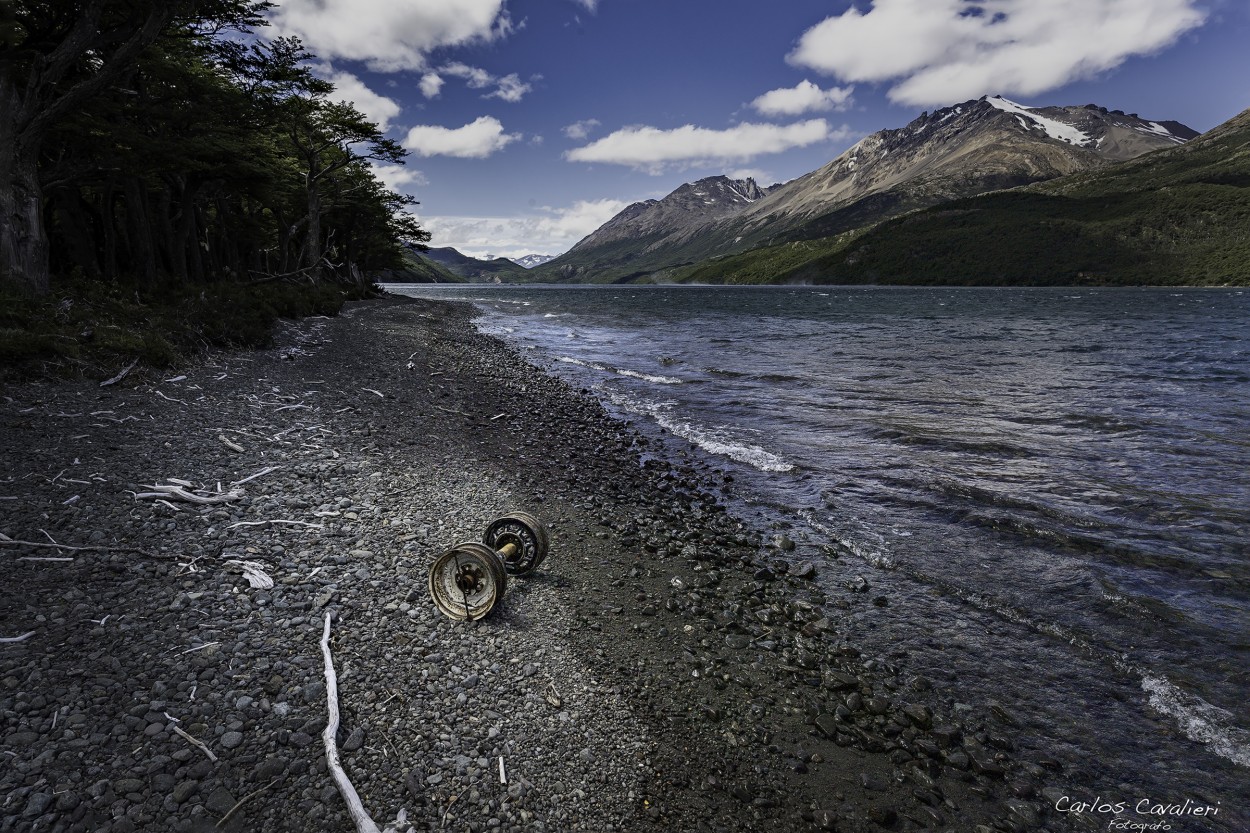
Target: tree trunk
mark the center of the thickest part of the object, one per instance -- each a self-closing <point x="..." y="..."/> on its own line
<point x="312" y="243"/>
<point x="23" y="238"/>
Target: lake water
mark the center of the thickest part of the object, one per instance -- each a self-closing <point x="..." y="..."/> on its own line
<point x="1049" y="487"/>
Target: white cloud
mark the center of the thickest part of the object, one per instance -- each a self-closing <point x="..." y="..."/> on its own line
<point x="476" y="140"/>
<point x="652" y="149"/>
<point x="579" y="130"/>
<point x="553" y="231"/>
<point x="398" y="177"/>
<point x="475" y="77"/>
<point x="939" y="51"/>
<point x="431" y="84"/>
<point x="509" y="88"/>
<point x="387" y="35"/>
<point x="804" y="98"/>
<point x="761" y="177"/>
<point x="348" y="87"/>
<point x="590" y="5"/>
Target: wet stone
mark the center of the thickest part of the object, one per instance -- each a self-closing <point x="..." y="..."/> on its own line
<point x="827" y="724"/>
<point x="185" y="790"/>
<point x="37" y="805"/>
<point x="220" y="801"/>
<point x="873" y="782"/>
<point x="355" y="740"/>
<point x="231" y="740"/>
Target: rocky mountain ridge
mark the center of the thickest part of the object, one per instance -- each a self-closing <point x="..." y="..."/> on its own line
<point x="967" y="149"/>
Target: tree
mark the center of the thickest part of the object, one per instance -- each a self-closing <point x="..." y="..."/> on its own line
<point x="56" y="58"/>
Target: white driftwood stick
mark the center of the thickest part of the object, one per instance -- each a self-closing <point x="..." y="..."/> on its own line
<point x="230" y="444"/>
<point x="377" y="392"/>
<point x="7" y="541"/>
<point x="195" y="742"/>
<point x="121" y="375"/>
<point x="161" y="491"/>
<point x="364" y="824"/>
<point x="275" y="521"/>
<point x="261" y="473"/>
<point x="21" y="638"/>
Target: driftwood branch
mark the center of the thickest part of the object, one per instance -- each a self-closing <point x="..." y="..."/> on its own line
<point x="120" y="376"/>
<point x="242" y="801"/>
<point x="21" y="638"/>
<point x="196" y="742"/>
<point x="180" y="492"/>
<point x="9" y="542"/>
<point x="364" y="824"/>
<point x="261" y="473"/>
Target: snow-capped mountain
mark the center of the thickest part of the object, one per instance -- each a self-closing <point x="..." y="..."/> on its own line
<point x="530" y="261"/>
<point x="958" y="151"/>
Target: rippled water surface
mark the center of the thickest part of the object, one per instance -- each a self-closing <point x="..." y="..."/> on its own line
<point x="1051" y="485"/>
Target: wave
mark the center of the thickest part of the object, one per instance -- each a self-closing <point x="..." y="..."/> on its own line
<point x="719" y="441"/>
<point x="633" y="374"/>
<point x="659" y="380"/>
<point x="1201" y="722"/>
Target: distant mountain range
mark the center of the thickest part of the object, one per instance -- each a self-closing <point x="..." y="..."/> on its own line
<point x="470" y="268"/>
<point x="971" y="148"/>
<point x="530" y="261"/>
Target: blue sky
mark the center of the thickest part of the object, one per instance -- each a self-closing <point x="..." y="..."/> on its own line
<point x="531" y="122"/>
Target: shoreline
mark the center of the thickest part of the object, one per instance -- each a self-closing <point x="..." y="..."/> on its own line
<point x="659" y="671"/>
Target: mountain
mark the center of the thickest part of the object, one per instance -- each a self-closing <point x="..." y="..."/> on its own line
<point x="530" y="261"/>
<point x="642" y="236"/>
<point x="1175" y="216"/>
<point x="495" y="270"/>
<point x="983" y="145"/>
<point x="417" y="269"/>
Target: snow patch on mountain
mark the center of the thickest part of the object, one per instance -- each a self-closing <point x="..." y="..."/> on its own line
<point x="1054" y="129"/>
<point x="530" y="261"/>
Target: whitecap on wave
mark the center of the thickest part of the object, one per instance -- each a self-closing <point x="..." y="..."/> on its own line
<point x="720" y="441"/>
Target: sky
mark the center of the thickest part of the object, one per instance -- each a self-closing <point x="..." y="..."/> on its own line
<point x="532" y="122"/>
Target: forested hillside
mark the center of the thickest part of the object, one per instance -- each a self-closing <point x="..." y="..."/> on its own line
<point x="166" y="155"/>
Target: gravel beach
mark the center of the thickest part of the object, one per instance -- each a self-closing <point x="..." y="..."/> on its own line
<point x="663" y="670"/>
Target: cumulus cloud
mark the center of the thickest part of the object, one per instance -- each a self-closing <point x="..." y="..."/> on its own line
<point x="476" y="140"/>
<point x="475" y="77"/>
<point x="509" y="88"/>
<point x="939" y="51"/>
<point x="579" y="130"/>
<point x="652" y="150"/>
<point x="431" y="84"/>
<point x="386" y="35"/>
<point x="552" y="231"/>
<point x="347" y="87"/>
<point x="399" y="178"/>
<point x="804" y="98"/>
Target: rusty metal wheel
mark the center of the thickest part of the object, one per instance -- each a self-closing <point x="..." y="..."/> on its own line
<point x="520" y="539"/>
<point x="467" y="581"/>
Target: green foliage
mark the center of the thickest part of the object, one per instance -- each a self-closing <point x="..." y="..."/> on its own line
<point x="90" y="329"/>
<point x="196" y="158"/>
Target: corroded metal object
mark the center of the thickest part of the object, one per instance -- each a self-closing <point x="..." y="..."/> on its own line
<point x="467" y="581"/>
<point x="520" y="539"/>
<point x="470" y="578"/>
